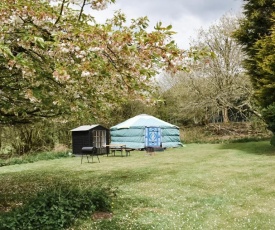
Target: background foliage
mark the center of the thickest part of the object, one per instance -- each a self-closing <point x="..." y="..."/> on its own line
<point x="57" y="207"/>
<point x="256" y="34"/>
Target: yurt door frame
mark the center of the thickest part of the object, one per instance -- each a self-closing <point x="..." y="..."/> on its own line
<point x="152" y="136"/>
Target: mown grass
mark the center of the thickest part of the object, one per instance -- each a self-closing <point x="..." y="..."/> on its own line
<point x="200" y="186"/>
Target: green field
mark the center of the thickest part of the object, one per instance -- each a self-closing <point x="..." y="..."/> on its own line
<point x="199" y="186"/>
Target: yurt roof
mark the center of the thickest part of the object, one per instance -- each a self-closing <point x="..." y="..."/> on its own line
<point x="143" y="120"/>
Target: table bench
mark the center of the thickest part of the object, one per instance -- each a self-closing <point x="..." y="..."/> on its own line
<point x="119" y="148"/>
<point x="113" y="150"/>
<point x="128" y="151"/>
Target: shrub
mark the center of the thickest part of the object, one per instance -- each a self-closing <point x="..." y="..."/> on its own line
<point x="57" y="207"/>
<point x="269" y="117"/>
<point x="272" y="141"/>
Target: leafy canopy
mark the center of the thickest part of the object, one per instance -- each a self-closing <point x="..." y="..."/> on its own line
<point x="256" y="34"/>
<point x="56" y="61"/>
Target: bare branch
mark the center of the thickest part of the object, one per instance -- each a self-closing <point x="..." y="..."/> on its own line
<point x="81" y="10"/>
<point x="61" y="12"/>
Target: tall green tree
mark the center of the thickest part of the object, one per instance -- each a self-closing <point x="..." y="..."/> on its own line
<point x="57" y="61"/>
<point x="256" y="34"/>
<point x="266" y="61"/>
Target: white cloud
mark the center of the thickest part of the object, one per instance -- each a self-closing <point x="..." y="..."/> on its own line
<point x="186" y="16"/>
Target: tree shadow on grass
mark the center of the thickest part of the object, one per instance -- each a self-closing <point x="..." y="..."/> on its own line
<point x="257" y="148"/>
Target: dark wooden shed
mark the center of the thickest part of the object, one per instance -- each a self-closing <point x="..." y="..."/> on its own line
<point x="90" y="136"/>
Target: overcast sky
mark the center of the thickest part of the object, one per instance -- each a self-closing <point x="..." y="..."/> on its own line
<point x="186" y="16"/>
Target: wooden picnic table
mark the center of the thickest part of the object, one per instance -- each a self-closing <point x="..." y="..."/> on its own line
<point x="119" y="147"/>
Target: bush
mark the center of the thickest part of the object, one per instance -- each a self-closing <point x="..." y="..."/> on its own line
<point x="57" y="207"/>
<point x="272" y="141"/>
<point x="269" y="117"/>
<point x="226" y="132"/>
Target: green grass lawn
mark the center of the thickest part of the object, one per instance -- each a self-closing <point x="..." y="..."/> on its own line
<point x="199" y="186"/>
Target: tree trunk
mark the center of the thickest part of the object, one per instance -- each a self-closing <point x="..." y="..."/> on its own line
<point x="225" y="115"/>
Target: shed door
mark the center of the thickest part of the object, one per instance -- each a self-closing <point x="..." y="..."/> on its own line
<point x="152" y="136"/>
<point x="99" y="138"/>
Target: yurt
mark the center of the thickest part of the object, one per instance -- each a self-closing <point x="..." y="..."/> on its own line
<point x="144" y="131"/>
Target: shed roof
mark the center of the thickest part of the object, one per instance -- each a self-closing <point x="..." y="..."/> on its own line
<point x="142" y="120"/>
<point x="84" y="128"/>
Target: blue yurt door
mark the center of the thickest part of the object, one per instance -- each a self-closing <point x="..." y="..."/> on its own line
<point x="152" y="136"/>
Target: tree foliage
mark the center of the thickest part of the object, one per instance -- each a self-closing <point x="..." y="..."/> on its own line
<point x="216" y="87"/>
<point x="256" y="34"/>
<point x="57" y="61"/>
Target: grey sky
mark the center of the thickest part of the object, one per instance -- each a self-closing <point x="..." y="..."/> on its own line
<point x="186" y="16"/>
